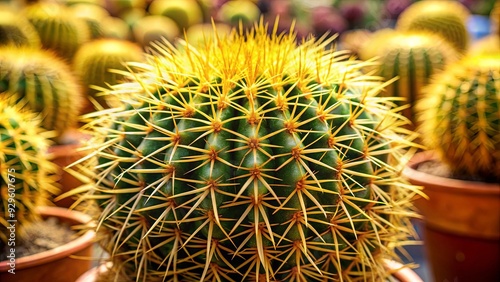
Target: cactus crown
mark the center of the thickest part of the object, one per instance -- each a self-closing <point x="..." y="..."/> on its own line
<point x="26" y="175"/>
<point x="460" y="116"/>
<point x="250" y="158"/>
<point x="45" y="82"/>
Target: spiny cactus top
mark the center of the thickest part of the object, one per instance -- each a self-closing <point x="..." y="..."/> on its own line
<point x="250" y="158"/>
<point x="26" y="175"/>
<point x="446" y="18"/>
<point x="45" y="82"/>
<point x="460" y="116"/>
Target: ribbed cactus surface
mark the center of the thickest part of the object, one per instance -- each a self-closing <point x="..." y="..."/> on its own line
<point x="26" y="174"/>
<point x="412" y="57"/>
<point x="46" y="83"/>
<point x="446" y="18"/>
<point x="250" y="158"/>
<point x="460" y="116"/>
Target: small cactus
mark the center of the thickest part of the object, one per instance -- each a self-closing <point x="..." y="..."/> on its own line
<point x="46" y="82"/>
<point x="460" y="116"/>
<point x="446" y="18"/>
<point x="235" y="12"/>
<point x="412" y="57"/>
<point x="184" y="13"/>
<point x="27" y="176"/>
<point x="17" y="30"/>
<point x="94" y="17"/>
<point x="58" y="28"/>
<point x="250" y="159"/>
<point x="98" y="64"/>
<point x="154" y="28"/>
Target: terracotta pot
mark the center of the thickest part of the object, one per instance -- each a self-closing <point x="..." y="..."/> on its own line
<point x="62" y="264"/>
<point x="64" y="155"/>
<point x="461" y="224"/>
<point x="400" y="272"/>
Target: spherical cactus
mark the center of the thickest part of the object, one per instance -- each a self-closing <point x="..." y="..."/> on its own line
<point x="446" y="18"/>
<point x="98" y="64"/>
<point x="58" y="28"/>
<point x="235" y="12"/>
<point x="153" y="28"/>
<point x="46" y="83"/>
<point x="184" y="13"/>
<point x="17" y="30"/>
<point x="460" y="116"/>
<point x="413" y="58"/>
<point x="248" y="159"/>
<point x="94" y="17"/>
<point x="26" y="174"/>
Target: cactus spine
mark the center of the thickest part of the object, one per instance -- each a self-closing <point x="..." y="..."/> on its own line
<point x="446" y="18"/>
<point x="26" y="174"/>
<point x="58" y="28"/>
<point x="248" y="159"/>
<point x="46" y="83"/>
<point x="413" y="57"/>
<point x="460" y="116"/>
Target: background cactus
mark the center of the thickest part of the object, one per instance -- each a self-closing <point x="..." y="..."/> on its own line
<point x="46" y="83"/>
<point x="59" y="29"/>
<point x="252" y="158"/>
<point x="413" y="57"/>
<point x="446" y="18"/>
<point x="184" y="13"/>
<point x="17" y="30"/>
<point x="26" y="174"/>
<point x="97" y="63"/>
<point x="460" y="116"/>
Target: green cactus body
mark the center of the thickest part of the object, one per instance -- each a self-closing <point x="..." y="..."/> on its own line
<point x="26" y="174"/>
<point x="46" y="83"/>
<point x="184" y="13"/>
<point x="17" y="30"/>
<point x="98" y="63"/>
<point x="460" y="116"/>
<point x="412" y="57"/>
<point x="58" y="28"/>
<point x="446" y="18"/>
<point x="250" y="158"/>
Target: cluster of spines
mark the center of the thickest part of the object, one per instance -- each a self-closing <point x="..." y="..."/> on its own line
<point x="223" y="166"/>
<point x="45" y="82"/>
<point x="27" y="176"/>
<point x="460" y="116"/>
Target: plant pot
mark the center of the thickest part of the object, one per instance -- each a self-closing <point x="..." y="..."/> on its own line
<point x="461" y="224"/>
<point x="63" y="155"/>
<point x="400" y="272"/>
<point x="62" y="264"/>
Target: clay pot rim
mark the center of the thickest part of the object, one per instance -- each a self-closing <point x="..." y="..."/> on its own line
<point x="397" y="270"/>
<point x="458" y="185"/>
<point x="76" y="245"/>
